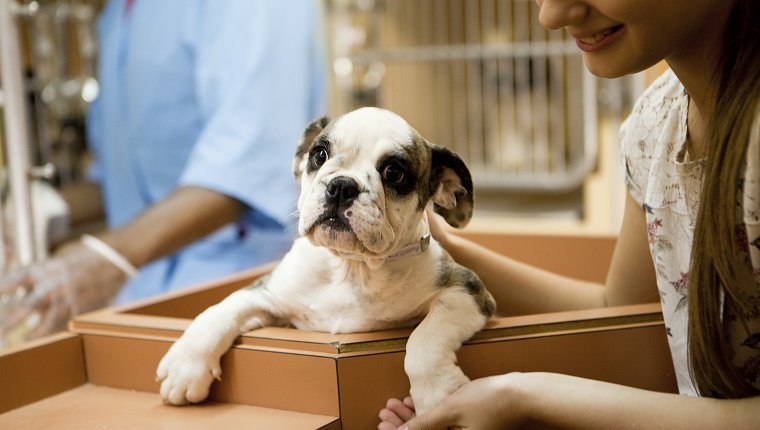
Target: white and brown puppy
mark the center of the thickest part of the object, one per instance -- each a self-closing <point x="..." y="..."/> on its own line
<point x="364" y="261"/>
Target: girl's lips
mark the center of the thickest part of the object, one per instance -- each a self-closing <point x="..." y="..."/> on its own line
<point x="599" y="40"/>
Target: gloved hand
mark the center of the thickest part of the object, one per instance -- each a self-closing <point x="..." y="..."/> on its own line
<point x="40" y="299"/>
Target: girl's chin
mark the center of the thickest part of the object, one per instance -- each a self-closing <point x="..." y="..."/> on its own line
<point x="609" y="69"/>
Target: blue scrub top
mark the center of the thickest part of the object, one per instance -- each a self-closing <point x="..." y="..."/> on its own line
<point x="205" y="93"/>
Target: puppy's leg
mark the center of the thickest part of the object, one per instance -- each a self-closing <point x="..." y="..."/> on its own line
<point x="189" y="367"/>
<point x="430" y="361"/>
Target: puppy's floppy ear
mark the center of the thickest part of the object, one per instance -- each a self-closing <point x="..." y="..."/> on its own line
<point x="311" y="133"/>
<point x="451" y="187"/>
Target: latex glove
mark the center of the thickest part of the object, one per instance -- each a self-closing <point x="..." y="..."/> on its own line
<point x="40" y="299"/>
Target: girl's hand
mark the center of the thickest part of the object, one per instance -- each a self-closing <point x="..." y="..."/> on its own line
<point x="483" y="404"/>
<point x="396" y="413"/>
<point x="438" y="228"/>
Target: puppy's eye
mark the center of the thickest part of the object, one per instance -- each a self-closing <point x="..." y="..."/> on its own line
<point x="319" y="156"/>
<point x="393" y="174"/>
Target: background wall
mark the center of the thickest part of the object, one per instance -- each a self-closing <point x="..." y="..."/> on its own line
<point x="484" y="78"/>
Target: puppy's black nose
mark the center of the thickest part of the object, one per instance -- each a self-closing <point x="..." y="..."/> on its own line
<point x="341" y="191"/>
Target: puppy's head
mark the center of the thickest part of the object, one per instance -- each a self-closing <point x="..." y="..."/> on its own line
<point x="366" y="178"/>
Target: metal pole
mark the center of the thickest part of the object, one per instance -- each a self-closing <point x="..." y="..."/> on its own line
<point x="16" y="133"/>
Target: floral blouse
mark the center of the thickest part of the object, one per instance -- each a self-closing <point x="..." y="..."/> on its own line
<point x="666" y="182"/>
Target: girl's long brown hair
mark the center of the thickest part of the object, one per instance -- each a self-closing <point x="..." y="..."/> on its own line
<point x="718" y="267"/>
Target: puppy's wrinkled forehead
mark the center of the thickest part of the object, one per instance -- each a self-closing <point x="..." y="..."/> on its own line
<point x="371" y="132"/>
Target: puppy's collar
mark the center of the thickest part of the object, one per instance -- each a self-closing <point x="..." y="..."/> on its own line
<point x="414" y="248"/>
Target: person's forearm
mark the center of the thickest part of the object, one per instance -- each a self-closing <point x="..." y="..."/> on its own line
<point x="185" y="216"/>
<point x="520" y="288"/>
<point x="568" y="402"/>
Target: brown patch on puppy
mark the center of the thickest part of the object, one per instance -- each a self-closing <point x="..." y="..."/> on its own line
<point x="453" y="274"/>
<point x="309" y="135"/>
<point x="451" y="187"/>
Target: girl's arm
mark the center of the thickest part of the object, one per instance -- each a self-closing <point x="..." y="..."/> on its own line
<point x="538" y="400"/>
<point x="523" y="289"/>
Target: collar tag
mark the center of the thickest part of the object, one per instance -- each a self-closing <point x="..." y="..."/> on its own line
<point x="425" y="242"/>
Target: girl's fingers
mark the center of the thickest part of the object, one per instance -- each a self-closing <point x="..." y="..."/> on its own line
<point x="408" y="402"/>
<point x="389" y="419"/>
<point x="401" y="409"/>
<point x="438" y="418"/>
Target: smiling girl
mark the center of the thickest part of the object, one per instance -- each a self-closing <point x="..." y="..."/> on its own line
<point x="690" y="235"/>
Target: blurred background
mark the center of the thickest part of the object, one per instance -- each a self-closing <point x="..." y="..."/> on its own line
<point x="482" y="77"/>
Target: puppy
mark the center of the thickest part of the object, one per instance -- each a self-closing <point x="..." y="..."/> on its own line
<point x="365" y="260"/>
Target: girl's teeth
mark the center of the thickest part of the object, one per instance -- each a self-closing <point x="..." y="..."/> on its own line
<point x="590" y="40"/>
<point x="597" y="37"/>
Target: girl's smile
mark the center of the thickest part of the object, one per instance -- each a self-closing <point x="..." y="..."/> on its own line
<point x="620" y="37"/>
<point x="595" y="40"/>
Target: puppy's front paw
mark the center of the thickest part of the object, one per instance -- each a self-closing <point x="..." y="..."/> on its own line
<point x="186" y="374"/>
<point x="429" y="390"/>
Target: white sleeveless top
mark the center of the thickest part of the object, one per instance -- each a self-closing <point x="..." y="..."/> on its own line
<point x="661" y="177"/>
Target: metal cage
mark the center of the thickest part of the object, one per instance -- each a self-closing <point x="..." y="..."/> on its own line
<point x="482" y="77"/>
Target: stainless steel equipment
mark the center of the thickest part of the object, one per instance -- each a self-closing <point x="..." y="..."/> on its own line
<point x="47" y="57"/>
<point x="16" y="141"/>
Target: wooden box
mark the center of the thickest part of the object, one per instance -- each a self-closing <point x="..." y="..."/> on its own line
<point x="104" y="369"/>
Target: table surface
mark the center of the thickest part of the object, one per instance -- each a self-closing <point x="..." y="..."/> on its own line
<point x="96" y="407"/>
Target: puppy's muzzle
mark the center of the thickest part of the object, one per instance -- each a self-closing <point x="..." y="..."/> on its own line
<point x="340" y="193"/>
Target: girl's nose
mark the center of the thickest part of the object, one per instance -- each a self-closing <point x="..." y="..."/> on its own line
<point x="555" y="14"/>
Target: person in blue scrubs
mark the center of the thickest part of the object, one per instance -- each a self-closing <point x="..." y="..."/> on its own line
<point x="200" y="109"/>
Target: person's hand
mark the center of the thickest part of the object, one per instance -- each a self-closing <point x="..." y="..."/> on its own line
<point x="438" y="228"/>
<point x="396" y="413"/>
<point x="483" y="404"/>
<point x="40" y="299"/>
